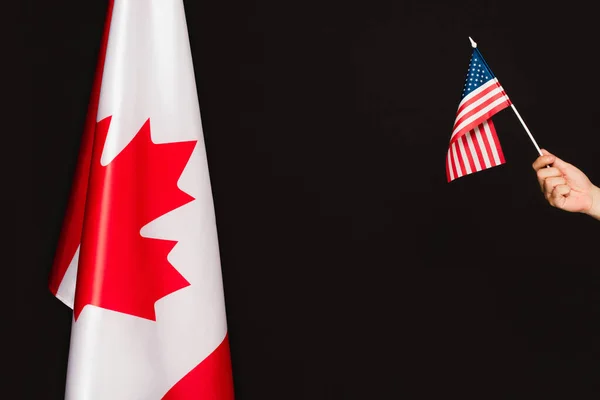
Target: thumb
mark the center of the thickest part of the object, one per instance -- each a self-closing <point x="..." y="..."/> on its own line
<point x="555" y="161"/>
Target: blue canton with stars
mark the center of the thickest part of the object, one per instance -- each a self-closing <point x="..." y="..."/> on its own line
<point x="478" y="73"/>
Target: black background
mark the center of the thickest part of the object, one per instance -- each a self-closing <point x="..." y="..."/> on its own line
<point x="352" y="269"/>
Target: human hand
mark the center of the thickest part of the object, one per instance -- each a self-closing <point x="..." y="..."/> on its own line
<point x="565" y="186"/>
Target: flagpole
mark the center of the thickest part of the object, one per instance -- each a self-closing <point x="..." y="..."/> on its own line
<point x="527" y="130"/>
<point x="474" y="44"/>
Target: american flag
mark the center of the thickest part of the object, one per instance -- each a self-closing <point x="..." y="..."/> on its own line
<point x="474" y="145"/>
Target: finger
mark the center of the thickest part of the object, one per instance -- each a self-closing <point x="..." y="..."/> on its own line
<point x="550" y="172"/>
<point x="542" y="161"/>
<point x="546" y="173"/>
<point x="558" y="197"/>
<point x="552" y="182"/>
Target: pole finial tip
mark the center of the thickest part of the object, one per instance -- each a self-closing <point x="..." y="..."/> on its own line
<point x="472" y="42"/>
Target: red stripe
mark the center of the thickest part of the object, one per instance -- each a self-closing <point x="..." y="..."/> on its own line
<point x="70" y="235"/>
<point x="453" y="164"/>
<point x="477" y="152"/>
<point x="448" y="167"/>
<point x="496" y="142"/>
<point x="475" y="96"/>
<point x="469" y="155"/>
<point x="476" y="109"/>
<point x="212" y="379"/>
<point x="461" y="162"/>
<point x="483" y="118"/>
<point x="488" y="145"/>
<point x="450" y="170"/>
<point x="478" y="149"/>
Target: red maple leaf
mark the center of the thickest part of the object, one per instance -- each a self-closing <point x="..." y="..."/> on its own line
<point x="118" y="268"/>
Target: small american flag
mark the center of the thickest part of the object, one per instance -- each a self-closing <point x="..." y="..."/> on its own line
<point x="474" y="145"/>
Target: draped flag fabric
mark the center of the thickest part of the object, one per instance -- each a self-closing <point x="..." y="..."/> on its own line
<point x="474" y="144"/>
<point x="138" y="258"/>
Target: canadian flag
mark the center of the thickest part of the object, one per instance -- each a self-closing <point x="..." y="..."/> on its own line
<point x="138" y="258"/>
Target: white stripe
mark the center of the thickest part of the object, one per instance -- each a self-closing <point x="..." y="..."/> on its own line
<point x="464" y="156"/>
<point x="459" y="172"/>
<point x="490" y="138"/>
<point x="479" y="114"/>
<point x="484" y="152"/>
<point x="473" y="150"/>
